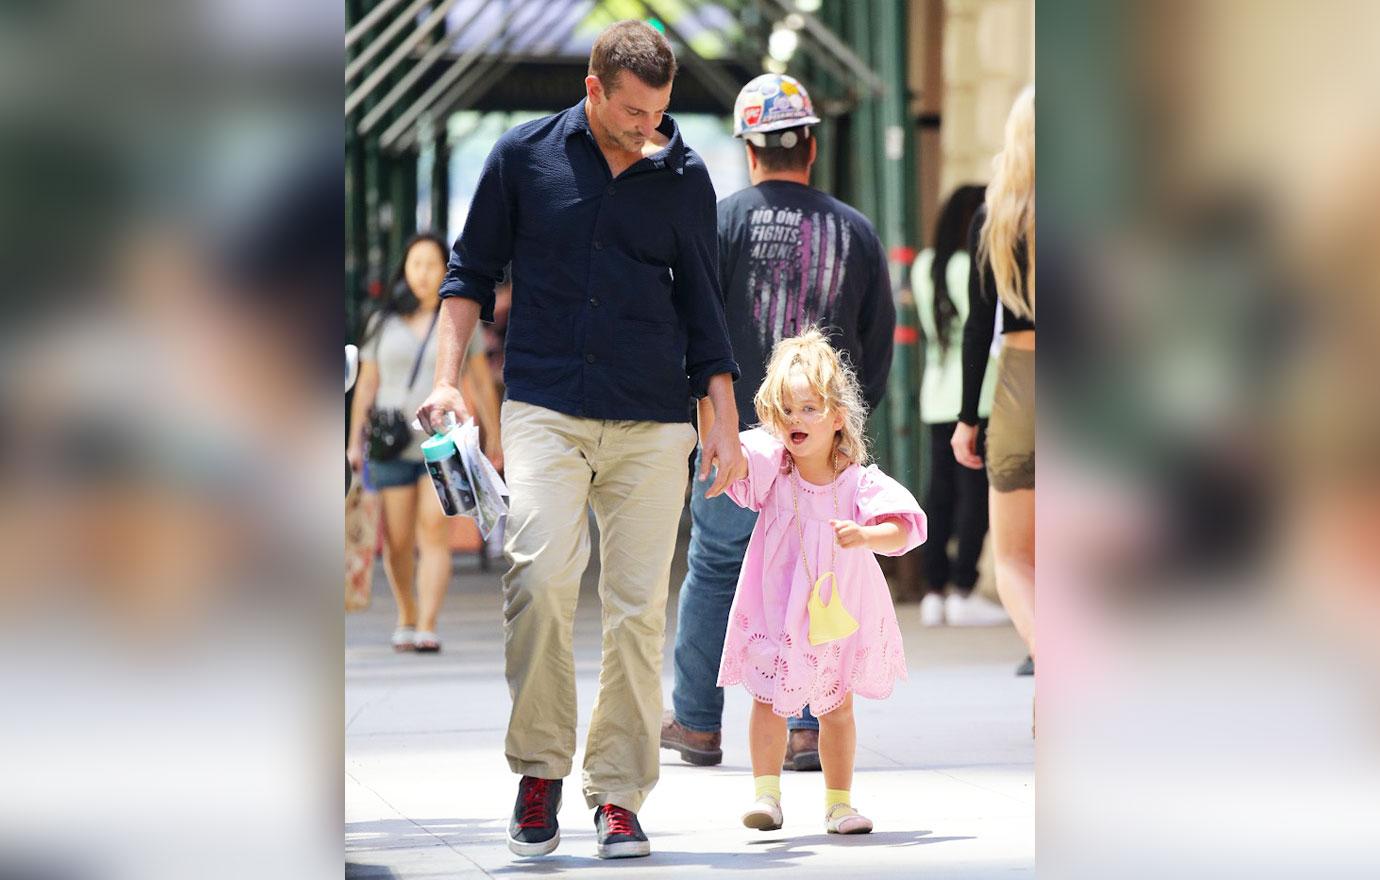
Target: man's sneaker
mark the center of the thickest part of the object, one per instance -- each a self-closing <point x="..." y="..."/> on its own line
<point x="932" y="610"/>
<point x="765" y="814"/>
<point x="802" y="750"/>
<point x="701" y="749"/>
<point x="974" y="610"/>
<point x="534" y="830"/>
<point x="843" y="819"/>
<point x="620" y="835"/>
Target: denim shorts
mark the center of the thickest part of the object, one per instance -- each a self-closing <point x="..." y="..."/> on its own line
<point x="391" y="474"/>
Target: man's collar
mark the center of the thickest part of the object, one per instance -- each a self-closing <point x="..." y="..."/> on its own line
<point x="671" y="156"/>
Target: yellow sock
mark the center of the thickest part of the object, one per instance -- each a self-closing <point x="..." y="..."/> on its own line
<point x="833" y="796"/>
<point x="767" y="785"/>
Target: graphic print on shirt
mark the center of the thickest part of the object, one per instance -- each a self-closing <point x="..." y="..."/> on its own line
<point x="796" y="267"/>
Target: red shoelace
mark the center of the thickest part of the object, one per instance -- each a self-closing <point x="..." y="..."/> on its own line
<point x="534" y="804"/>
<point x="618" y="821"/>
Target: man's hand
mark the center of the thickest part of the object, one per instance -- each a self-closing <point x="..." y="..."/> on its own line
<point x="493" y="451"/>
<point x="719" y="443"/>
<point x="442" y="399"/>
<point x="964" y="443"/>
<point x="721" y="448"/>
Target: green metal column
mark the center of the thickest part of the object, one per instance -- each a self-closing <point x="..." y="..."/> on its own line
<point x="356" y="237"/>
<point x="356" y="232"/>
<point x="895" y="160"/>
<point x="374" y="218"/>
<point x="864" y="148"/>
<point x="402" y="199"/>
<point x="440" y="183"/>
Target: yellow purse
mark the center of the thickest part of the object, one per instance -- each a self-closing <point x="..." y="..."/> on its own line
<point x="832" y="621"/>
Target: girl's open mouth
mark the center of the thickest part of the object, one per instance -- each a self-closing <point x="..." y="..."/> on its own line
<point x="799" y="437"/>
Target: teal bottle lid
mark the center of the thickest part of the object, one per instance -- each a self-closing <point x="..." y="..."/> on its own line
<point x="438" y="447"/>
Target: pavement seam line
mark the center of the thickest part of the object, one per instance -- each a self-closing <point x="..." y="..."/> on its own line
<point x="427" y="830"/>
<point x="982" y="787"/>
<point x="367" y="703"/>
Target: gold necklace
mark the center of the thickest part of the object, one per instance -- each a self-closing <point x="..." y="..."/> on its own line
<point x="800" y="530"/>
<point x="830" y="622"/>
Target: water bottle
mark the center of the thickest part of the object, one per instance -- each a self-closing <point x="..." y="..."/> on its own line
<point x="448" y="473"/>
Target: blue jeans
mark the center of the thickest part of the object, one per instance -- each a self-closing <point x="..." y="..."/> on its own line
<point x="719" y="533"/>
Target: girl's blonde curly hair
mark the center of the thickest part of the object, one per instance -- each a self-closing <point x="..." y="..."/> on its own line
<point x="829" y="375"/>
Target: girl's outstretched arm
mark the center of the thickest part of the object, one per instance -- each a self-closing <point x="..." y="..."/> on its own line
<point x="887" y="536"/>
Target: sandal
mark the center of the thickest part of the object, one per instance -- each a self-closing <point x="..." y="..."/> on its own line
<point x="404" y="639"/>
<point x="843" y="819"/>
<point x="426" y="642"/>
<point x="765" y="814"/>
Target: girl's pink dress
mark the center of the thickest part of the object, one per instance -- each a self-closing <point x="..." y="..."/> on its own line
<point x="767" y="647"/>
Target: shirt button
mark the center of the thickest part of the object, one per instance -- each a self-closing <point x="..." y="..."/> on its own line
<point x="598" y="245"/>
<point x="612" y="190"/>
<point x="594" y="301"/>
<point x="589" y="358"/>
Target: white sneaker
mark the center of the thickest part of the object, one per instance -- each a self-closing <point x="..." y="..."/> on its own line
<point x="974" y="610"/>
<point x="765" y="814"/>
<point x="932" y="610"/>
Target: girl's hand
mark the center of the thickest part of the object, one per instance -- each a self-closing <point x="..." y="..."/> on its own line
<point x="849" y="533"/>
<point x="887" y="536"/>
<point x="354" y="454"/>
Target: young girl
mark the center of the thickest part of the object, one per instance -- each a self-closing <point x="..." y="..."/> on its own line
<point x="812" y="622"/>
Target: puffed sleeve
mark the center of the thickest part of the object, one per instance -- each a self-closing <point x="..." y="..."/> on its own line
<point x="879" y="497"/>
<point x="765" y="456"/>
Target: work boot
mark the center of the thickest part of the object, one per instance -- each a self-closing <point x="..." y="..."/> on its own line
<point x="701" y="749"/>
<point x="802" y="750"/>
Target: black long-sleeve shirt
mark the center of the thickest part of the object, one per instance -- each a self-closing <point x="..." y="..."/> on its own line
<point x="790" y="256"/>
<point x="980" y="326"/>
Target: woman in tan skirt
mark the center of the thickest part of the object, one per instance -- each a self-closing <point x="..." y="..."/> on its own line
<point x="1003" y="237"/>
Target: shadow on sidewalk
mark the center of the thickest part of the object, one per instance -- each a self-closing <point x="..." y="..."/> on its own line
<point x="876" y="838"/>
<point x="555" y="864"/>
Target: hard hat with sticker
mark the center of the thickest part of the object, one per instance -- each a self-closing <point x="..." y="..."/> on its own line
<point x="770" y="103"/>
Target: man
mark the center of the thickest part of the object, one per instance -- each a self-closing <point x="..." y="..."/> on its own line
<point x="789" y="256"/>
<point x="617" y="319"/>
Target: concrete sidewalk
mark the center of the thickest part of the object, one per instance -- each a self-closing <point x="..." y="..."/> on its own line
<point x="945" y="767"/>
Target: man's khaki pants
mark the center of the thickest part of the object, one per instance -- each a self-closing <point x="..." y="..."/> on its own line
<point x="633" y="475"/>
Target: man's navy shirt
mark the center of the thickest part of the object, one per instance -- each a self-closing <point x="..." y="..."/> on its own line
<point x="617" y="311"/>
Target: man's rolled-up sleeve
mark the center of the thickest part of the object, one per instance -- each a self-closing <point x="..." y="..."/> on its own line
<point x="484" y="249"/>
<point x="699" y="296"/>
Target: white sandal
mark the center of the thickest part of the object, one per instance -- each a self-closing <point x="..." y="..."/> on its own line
<point x="404" y="639"/>
<point x="425" y="642"/>
<point x="843" y="819"/>
<point x="765" y="815"/>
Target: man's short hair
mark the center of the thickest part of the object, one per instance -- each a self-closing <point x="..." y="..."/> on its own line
<point x="796" y="158"/>
<point x="635" y="47"/>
